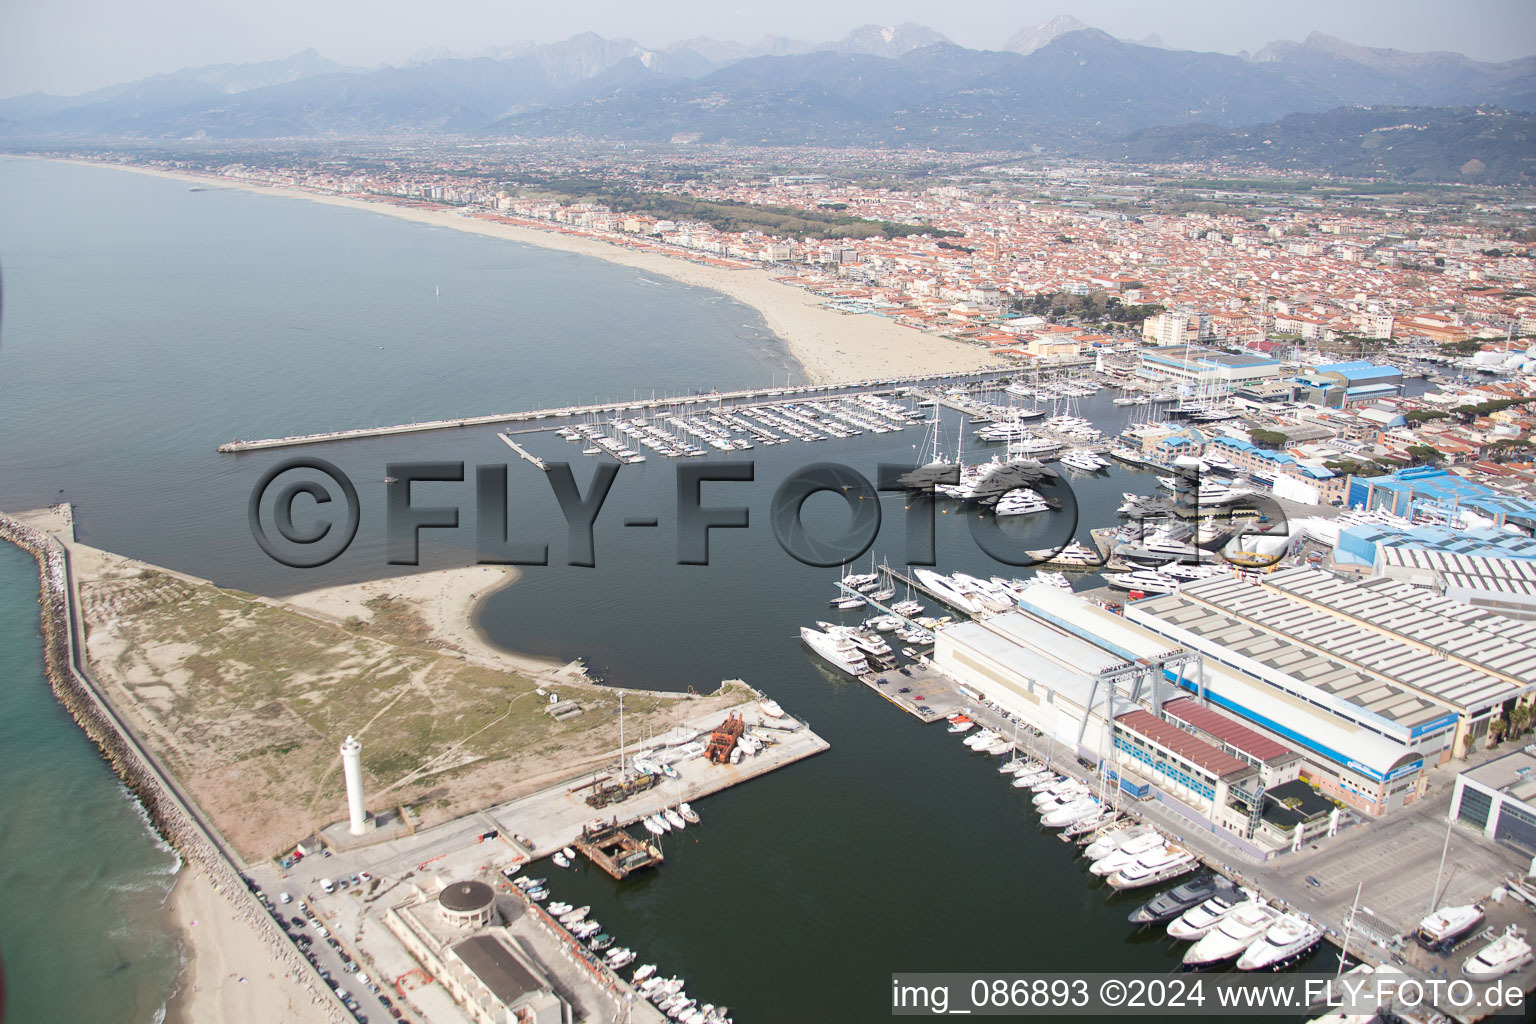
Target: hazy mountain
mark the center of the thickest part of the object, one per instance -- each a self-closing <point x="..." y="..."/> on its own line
<point x="887" y="40"/>
<point x="1079" y="91"/>
<point x="1028" y="40"/>
<point x="1368" y="75"/>
<point x="721" y="53"/>
<point x="233" y="78"/>
<point x="189" y="85"/>
<point x="1398" y="143"/>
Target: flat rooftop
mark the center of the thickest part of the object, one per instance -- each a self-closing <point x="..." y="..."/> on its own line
<point x="1513" y="774"/>
<point x="1278" y="659"/>
<point x="1362" y="624"/>
<point x="493" y="963"/>
<point x="1191" y="748"/>
<point x="1229" y="731"/>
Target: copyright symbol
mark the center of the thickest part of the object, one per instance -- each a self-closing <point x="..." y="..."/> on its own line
<point x="1112" y="992"/>
<point x="309" y="553"/>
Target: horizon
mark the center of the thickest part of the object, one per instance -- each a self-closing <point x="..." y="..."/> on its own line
<point x="113" y="46"/>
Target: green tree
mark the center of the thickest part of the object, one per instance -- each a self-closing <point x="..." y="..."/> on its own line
<point x="1423" y="453"/>
<point x="1267" y="438"/>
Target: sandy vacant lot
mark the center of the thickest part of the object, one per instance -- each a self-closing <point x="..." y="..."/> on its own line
<point x="247" y="699"/>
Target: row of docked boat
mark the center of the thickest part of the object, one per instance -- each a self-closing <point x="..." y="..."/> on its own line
<point x="600" y="949"/>
<point x="668" y="996"/>
<point x="669" y="818"/>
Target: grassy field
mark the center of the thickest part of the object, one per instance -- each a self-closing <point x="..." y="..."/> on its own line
<point x="247" y="703"/>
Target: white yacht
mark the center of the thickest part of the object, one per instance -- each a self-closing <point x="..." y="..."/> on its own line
<point x="1148" y="581"/>
<point x="1108" y="843"/>
<point x="841" y="654"/>
<point x="1081" y="461"/>
<point x="1504" y="954"/>
<point x="1283" y="944"/>
<point x="1230" y="939"/>
<point x="941" y="586"/>
<point x="872" y="644"/>
<point x="1073" y="556"/>
<point x="1083" y="807"/>
<point x="1056" y="796"/>
<point x="1021" y="502"/>
<point x="1028" y="777"/>
<point x="1197" y="921"/>
<point x="1152" y="868"/>
<point x="995" y="596"/>
<point x="1447" y="926"/>
<point x="1113" y="861"/>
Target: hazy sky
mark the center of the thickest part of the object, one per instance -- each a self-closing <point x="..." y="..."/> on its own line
<point x="69" y="46"/>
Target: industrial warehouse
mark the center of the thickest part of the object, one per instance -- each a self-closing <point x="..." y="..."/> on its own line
<point x="1212" y="697"/>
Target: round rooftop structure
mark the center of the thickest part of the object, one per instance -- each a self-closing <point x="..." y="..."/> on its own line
<point x="467" y="903"/>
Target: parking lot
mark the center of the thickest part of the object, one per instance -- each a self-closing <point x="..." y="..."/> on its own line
<point x="337" y="964"/>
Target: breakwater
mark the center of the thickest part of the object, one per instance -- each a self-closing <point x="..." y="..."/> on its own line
<point x="168" y="810"/>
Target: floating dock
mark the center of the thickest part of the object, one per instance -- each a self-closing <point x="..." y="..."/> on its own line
<point x="538" y="463"/>
<point x="615" y="850"/>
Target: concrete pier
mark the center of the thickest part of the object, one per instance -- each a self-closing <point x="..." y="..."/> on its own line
<point x="724" y="398"/>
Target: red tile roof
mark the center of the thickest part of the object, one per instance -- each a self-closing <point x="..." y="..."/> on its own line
<point x="1232" y="733"/>
<point x="1171" y="737"/>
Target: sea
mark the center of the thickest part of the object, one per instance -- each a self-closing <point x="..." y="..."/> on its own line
<point x="144" y="324"/>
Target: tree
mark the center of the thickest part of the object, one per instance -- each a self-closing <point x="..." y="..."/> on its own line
<point x="1423" y="453"/>
<point x="1519" y="719"/>
<point x="1496" y="730"/>
<point x="1267" y="438"/>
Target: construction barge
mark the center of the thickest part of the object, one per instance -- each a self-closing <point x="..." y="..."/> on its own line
<point x="614" y="850"/>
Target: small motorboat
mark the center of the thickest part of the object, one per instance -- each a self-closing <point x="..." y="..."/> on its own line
<point x="669" y="771"/>
<point x="573" y="917"/>
<point x="642" y="972"/>
<point x="623" y="960"/>
<point x="561" y="860"/>
<point x="569" y="853"/>
<point x="688" y="813"/>
<point x="539" y="895"/>
<point x="559" y="909"/>
<point x="601" y="942"/>
<point x="530" y="883"/>
<point x="614" y="954"/>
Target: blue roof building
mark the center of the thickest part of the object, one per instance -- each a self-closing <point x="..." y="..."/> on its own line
<point x="1436" y="491"/>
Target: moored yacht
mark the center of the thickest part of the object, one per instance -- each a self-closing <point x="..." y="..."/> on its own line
<point x="1197" y="921"/>
<point x="1230" y="939"/>
<point x="1154" y="867"/>
<point x="1283" y="944"/>
<point x="943" y="588"/>
<point x="1166" y="906"/>
<point x="841" y="654"/>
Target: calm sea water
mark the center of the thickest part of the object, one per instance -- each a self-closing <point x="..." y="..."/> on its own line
<point x="144" y="324"/>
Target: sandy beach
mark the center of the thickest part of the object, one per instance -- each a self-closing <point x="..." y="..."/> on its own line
<point x="229" y="975"/>
<point x="829" y="346"/>
<point x="448" y="600"/>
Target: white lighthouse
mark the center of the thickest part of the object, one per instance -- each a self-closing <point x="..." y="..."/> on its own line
<point x="352" y="768"/>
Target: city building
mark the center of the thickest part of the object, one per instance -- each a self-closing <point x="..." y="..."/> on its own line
<point x="1438" y="493"/>
<point x="1204" y="369"/>
<point x="1337" y="385"/>
<point x="1498" y="799"/>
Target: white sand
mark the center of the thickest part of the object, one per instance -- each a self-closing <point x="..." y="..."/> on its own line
<point x="829" y="346"/>
<point x="230" y="976"/>
<point x="446" y="598"/>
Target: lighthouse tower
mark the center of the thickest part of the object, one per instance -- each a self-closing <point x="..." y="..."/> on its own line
<point x="352" y="768"/>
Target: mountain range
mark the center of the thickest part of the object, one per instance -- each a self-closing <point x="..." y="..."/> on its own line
<point x="1060" y="86"/>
